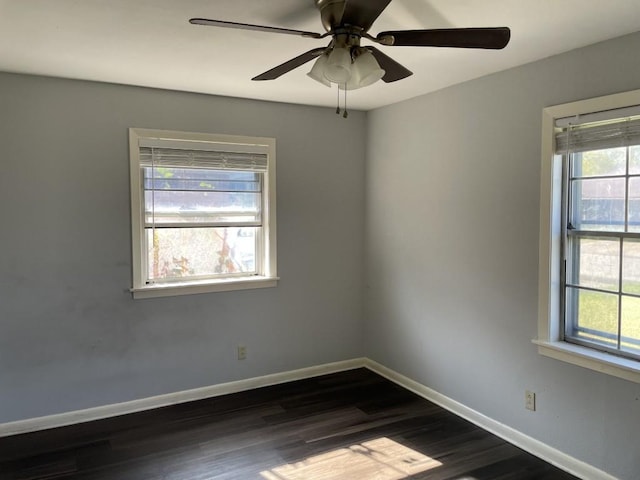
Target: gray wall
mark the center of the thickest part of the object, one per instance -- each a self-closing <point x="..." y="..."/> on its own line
<point x="71" y="337"/>
<point x="452" y="253"/>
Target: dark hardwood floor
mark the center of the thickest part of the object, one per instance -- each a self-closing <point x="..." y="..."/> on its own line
<point x="352" y="425"/>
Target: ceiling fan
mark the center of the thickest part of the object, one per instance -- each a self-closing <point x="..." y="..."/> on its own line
<point x="345" y="62"/>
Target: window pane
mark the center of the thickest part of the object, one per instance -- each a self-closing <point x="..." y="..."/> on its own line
<point x="634" y="204"/>
<point x="634" y="159"/>
<point x="181" y="206"/>
<point x="610" y="161"/>
<point x="188" y="253"/>
<point x="596" y="263"/>
<point x="592" y="317"/>
<point x="598" y="204"/>
<point x="630" y="330"/>
<point x="631" y="267"/>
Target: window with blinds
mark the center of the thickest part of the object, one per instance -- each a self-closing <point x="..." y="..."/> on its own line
<point x="601" y="232"/>
<point x="203" y="206"/>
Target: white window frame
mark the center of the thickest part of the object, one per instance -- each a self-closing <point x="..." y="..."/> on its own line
<point x="266" y="257"/>
<point x="549" y="340"/>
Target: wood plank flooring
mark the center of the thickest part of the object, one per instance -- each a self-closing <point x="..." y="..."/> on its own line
<point x="351" y="425"/>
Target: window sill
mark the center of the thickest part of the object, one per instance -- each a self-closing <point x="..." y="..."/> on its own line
<point x="211" y="286"/>
<point x="591" y="359"/>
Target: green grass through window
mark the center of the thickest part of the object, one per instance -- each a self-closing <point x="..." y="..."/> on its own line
<point x="599" y="312"/>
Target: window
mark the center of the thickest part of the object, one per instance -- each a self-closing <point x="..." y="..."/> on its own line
<point x="590" y="235"/>
<point x="601" y="239"/>
<point x="203" y="212"/>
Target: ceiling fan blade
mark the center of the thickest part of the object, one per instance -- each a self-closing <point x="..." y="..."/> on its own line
<point x="248" y="26"/>
<point x="489" y="38"/>
<point x="393" y="71"/>
<point x="363" y="13"/>
<point x="285" y="67"/>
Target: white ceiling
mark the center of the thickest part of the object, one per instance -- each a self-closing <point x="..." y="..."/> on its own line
<point x="150" y="42"/>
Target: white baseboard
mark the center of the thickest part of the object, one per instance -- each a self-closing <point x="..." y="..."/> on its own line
<point x="106" y="411"/>
<point x="535" y="447"/>
<point x="529" y="444"/>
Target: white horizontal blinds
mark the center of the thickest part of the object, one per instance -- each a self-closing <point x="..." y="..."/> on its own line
<point x="583" y="137"/>
<point x="210" y="159"/>
<point x="202" y="188"/>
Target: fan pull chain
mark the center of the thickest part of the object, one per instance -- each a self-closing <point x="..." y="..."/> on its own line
<point x="345" y="114"/>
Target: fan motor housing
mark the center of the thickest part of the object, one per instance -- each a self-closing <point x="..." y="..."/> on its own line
<point x="330" y="13"/>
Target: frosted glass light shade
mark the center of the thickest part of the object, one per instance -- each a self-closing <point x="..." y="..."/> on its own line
<point x="317" y="71"/>
<point x="353" y="83"/>
<point x="367" y="68"/>
<point x="338" y="66"/>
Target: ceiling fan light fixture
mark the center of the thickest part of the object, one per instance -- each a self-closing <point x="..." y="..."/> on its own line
<point x="318" y="69"/>
<point x="338" y="66"/>
<point x="367" y="70"/>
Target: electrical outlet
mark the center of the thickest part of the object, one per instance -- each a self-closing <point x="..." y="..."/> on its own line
<point x="530" y="400"/>
<point x="242" y="352"/>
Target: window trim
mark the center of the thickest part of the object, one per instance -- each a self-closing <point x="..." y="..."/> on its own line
<point x="549" y="339"/>
<point x="269" y="277"/>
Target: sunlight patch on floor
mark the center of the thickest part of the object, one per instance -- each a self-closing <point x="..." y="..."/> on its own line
<point x="379" y="459"/>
